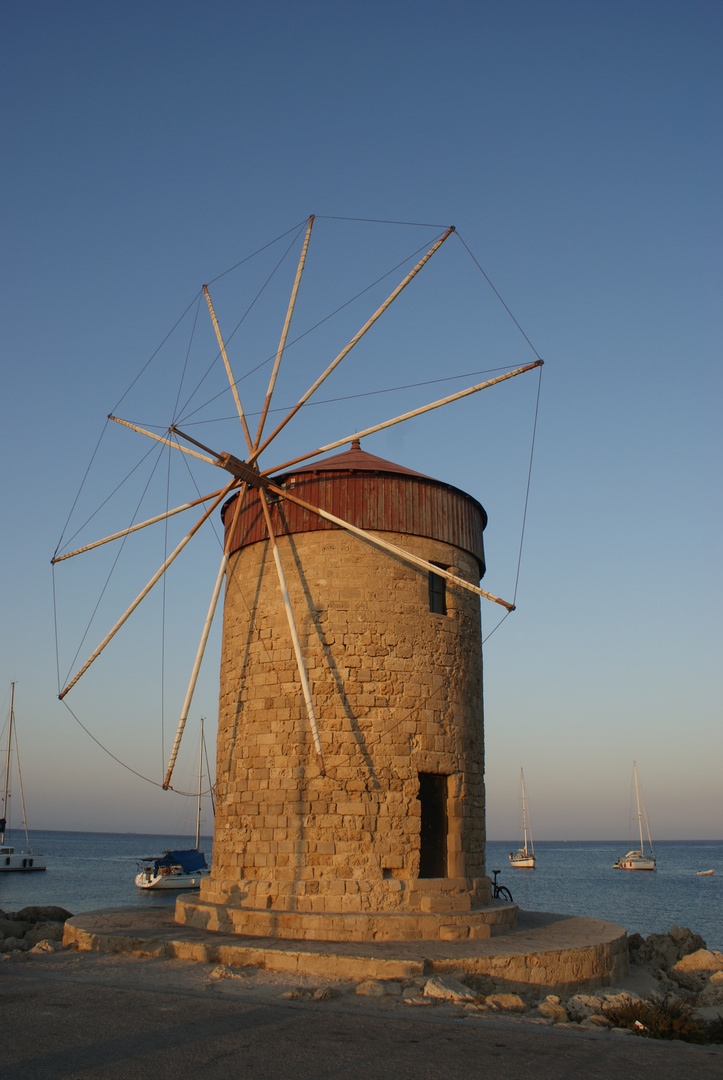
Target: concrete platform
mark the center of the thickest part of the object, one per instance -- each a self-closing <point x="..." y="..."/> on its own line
<point x="547" y="953"/>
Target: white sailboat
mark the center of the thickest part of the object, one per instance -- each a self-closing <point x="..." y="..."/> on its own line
<point x="524" y="858"/>
<point x="10" y="859"/>
<point x="638" y="859"/>
<point x="178" y="869"/>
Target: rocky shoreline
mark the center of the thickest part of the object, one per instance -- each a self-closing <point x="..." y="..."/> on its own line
<point x="678" y="980"/>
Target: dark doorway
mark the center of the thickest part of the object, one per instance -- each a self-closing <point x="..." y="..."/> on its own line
<point x="433" y="839"/>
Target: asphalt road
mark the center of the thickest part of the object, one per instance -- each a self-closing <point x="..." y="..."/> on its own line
<point x="89" y="1016"/>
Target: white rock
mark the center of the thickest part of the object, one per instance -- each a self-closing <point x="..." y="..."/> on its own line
<point x="448" y="989"/>
<point x="46" y="946"/>
<point x="581" y="1005"/>
<point x="378" y="988"/>
<point x="551" y="1010"/>
<point x="508" y="1002"/>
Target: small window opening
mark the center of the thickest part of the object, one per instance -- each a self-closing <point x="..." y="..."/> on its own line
<point x="437" y="591"/>
<point x="433" y="837"/>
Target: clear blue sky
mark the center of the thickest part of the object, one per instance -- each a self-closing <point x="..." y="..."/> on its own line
<point x="576" y="147"/>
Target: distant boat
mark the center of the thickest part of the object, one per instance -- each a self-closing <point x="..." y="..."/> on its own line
<point x="10" y="859"/>
<point x="178" y="869"/>
<point x="638" y="859"/>
<point x="524" y="858"/>
<point x="705" y="873"/>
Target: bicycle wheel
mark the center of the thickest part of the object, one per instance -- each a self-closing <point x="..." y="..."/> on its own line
<point x="504" y="894"/>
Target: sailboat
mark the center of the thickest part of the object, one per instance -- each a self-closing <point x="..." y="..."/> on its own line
<point x="638" y="860"/>
<point x="524" y="858"/>
<point x="10" y="859"/>
<point x="178" y="869"/>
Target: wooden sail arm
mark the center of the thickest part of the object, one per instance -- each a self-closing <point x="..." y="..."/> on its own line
<point x="405" y="416"/>
<point x="306" y="689"/>
<point x="378" y="541"/>
<point x="160" y="438"/>
<point x="347" y="348"/>
<point x="144" y="592"/>
<point x="227" y="365"/>
<point x="135" y="528"/>
<point x="202" y="644"/>
<point x="284" y="333"/>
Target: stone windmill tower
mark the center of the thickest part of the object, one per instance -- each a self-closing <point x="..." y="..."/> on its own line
<point x="350" y="746"/>
<point x="381" y="836"/>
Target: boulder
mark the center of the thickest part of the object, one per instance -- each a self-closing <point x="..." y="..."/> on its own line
<point x="712" y="992"/>
<point x="43" y="914"/>
<point x="611" y="1002"/>
<point x="378" y="988"/>
<point x="596" y="1020"/>
<point x="554" y="1011"/>
<point x="693" y="971"/>
<point x="581" y="1005"/>
<point x="448" y="989"/>
<point x="508" y="1002"/>
<point x="44" y="931"/>
<point x="709" y="1014"/>
<point x="10" y="944"/>
<point x="660" y="952"/>
<point x="12" y="928"/>
<point x="47" y="946"/>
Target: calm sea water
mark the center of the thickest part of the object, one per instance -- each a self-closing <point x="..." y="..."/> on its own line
<point x="88" y="871"/>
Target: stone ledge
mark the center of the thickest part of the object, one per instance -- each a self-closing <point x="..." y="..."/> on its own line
<point x="444" y="924"/>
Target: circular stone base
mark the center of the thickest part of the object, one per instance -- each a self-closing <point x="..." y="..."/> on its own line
<point x="304" y="926"/>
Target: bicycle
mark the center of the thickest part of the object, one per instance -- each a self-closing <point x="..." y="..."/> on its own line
<point x="500" y="892"/>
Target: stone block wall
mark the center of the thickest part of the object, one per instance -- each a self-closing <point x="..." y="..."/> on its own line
<point x="397" y="691"/>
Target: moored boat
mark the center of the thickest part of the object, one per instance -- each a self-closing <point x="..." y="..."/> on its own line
<point x="638" y="859"/>
<point x="524" y="857"/>
<point x="174" y="870"/>
<point x="181" y="869"/>
<point x="10" y="859"/>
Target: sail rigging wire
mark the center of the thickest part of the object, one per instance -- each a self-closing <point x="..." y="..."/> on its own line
<point x="129" y="768"/>
<point x="294" y="228"/>
<point x="380" y="221"/>
<point x="191" y="337"/>
<point x="20" y="782"/>
<point x="107" y="580"/>
<point x="80" y="488"/>
<point x="494" y="290"/>
<point x="348" y="397"/>
<point x="60" y="558"/>
<point x="196" y="298"/>
<point x="527" y="489"/>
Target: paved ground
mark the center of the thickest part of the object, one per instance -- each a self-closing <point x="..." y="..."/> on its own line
<point x="111" y="1017"/>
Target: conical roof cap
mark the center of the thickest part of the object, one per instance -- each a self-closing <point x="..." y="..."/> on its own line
<point x="355" y="460"/>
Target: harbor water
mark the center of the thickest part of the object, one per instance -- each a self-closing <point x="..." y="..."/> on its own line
<point x="92" y="871"/>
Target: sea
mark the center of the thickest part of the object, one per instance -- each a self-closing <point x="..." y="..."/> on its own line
<point x="92" y="871"/>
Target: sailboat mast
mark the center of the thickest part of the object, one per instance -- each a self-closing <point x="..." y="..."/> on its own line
<point x="198" y="805"/>
<point x="7" y="763"/>
<point x="637" y="799"/>
<point x="524" y="809"/>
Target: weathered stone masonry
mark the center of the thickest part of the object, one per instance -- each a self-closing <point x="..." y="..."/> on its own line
<point x="397" y="691"/>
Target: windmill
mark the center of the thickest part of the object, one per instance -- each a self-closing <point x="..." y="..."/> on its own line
<point x="350" y="795"/>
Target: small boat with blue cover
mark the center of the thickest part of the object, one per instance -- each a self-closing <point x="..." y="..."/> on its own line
<point x="181" y="869"/>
